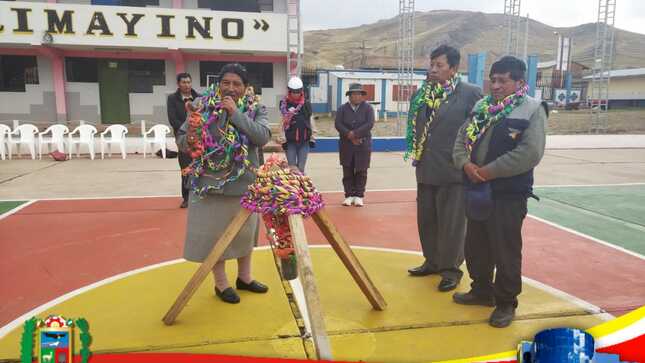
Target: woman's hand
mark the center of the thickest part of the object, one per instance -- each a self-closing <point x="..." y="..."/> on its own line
<point x="229" y="105"/>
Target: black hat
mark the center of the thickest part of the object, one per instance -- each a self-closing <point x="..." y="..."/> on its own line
<point x="355" y="87"/>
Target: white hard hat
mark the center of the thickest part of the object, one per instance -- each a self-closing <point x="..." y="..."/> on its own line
<point x="295" y="83"/>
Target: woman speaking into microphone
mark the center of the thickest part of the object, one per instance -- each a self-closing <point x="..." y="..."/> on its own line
<point x="223" y="134"/>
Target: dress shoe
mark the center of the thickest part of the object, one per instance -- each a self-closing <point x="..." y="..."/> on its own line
<point x="469" y="298"/>
<point x="228" y="295"/>
<point x="253" y="286"/>
<point x="447" y="284"/>
<point x="423" y="270"/>
<point x="502" y="316"/>
<point x="184" y="204"/>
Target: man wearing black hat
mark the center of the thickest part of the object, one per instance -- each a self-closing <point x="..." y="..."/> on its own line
<point x="354" y="122"/>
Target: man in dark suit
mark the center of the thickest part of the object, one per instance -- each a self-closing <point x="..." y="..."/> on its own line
<point x="442" y="106"/>
<point x="176" y="107"/>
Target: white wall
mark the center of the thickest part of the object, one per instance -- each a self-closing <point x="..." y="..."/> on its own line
<point x="319" y="94"/>
<point x="89" y="96"/>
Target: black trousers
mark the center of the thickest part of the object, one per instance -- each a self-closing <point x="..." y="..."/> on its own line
<point x="184" y="161"/>
<point x="441" y="221"/>
<point x="496" y="244"/>
<point x="354" y="181"/>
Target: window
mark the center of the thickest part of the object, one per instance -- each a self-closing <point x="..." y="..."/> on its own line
<point x="81" y="70"/>
<point x="251" y="6"/>
<point x="265" y="5"/>
<point x="143" y="74"/>
<point x="16" y="72"/>
<point x="406" y="93"/>
<point x="140" y="3"/>
<point x="369" y="89"/>
<point x="260" y="74"/>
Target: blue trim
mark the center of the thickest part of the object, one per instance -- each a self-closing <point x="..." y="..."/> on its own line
<point x="379" y="144"/>
<point x="393" y="114"/>
<point x="531" y="72"/>
<point x="319" y="107"/>
<point x="339" y="92"/>
<point x="383" y="101"/>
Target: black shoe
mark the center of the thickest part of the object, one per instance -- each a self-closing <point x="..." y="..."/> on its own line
<point x="253" y="286"/>
<point x="184" y="204"/>
<point x="469" y="298"/>
<point x="502" y="316"/>
<point x="228" y="295"/>
<point x="447" y="284"/>
<point x="423" y="270"/>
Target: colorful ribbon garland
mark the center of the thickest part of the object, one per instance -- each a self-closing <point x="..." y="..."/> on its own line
<point x="432" y="95"/>
<point x="226" y="152"/>
<point x="489" y="114"/>
<point x="278" y="192"/>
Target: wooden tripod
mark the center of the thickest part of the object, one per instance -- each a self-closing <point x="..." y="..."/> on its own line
<point x="305" y="271"/>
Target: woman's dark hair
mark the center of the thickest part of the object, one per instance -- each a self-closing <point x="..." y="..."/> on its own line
<point x="235" y="68"/>
<point x="451" y="53"/>
<point x="181" y="76"/>
<point x="509" y="64"/>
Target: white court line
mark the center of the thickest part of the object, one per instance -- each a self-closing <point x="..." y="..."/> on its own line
<point x="20" y="320"/>
<point x="34" y="312"/>
<point x="320" y="190"/>
<point x="587" y="306"/>
<point x="18" y="208"/>
<point x="593" y="239"/>
<point x="589" y="185"/>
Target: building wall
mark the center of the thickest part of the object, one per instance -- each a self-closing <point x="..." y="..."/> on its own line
<point x="318" y="94"/>
<point x="632" y="88"/>
<point x="37" y="103"/>
<point x="152" y="106"/>
<point x="83" y="102"/>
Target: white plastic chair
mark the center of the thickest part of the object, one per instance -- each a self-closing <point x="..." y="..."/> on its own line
<point x="27" y="137"/>
<point x="86" y="136"/>
<point x="159" y="138"/>
<point x="118" y="133"/>
<point x="58" y="138"/>
<point x="4" y="139"/>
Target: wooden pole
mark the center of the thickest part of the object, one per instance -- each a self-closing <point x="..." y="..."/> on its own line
<point x="200" y="275"/>
<point x="306" y="274"/>
<point x="349" y="260"/>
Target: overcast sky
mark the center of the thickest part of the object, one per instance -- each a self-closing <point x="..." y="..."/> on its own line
<point x="327" y="14"/>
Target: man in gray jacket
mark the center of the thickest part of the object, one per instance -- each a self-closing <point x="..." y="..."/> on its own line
<point x="497" y="151"/>
<point x="443" y="104"/>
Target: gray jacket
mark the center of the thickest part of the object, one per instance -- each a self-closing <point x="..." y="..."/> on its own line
<point x="436" y="165"/>
<point x="521" y="159"/>
<point x="258" y="133"/>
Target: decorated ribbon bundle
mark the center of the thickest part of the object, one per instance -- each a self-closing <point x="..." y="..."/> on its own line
<point x="488" y="114"/>
<point x="278" y="192"/>
<point x="431" y="94"/>
<point x="224" y="154"/>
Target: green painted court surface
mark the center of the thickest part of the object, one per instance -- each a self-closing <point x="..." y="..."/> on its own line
<point x="7" y="206"/>
<point x="615" y="214"/>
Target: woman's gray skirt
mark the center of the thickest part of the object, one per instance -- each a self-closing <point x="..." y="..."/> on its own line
<point x="208" y="217"/>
